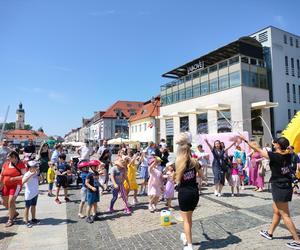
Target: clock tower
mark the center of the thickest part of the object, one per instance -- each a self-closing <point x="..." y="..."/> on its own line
<point x="20" y="120"/>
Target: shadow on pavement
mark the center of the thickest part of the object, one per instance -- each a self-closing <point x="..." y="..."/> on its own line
<point x="4" y="235"/>
<point x="219" y="243"/>
<point x="54" y="222"/>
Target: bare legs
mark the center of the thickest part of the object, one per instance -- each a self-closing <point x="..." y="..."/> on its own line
<point x="187" y="225"/>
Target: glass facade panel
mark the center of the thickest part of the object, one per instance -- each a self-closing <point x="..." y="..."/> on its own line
<point x="189" y="93"/>
<point x="223" y="82"/>
<point x="196" y="90"/>
<point x="176" y="96"/>
<point x="169" y="99"/>
<point x="204" y="72"/>
<point x="213" y="85"/>
<point x="234" y="60"/>
<point x="184" y="124"/>
<point x="204" y="88"/>
<point x="182" y="95"/>
<point x="223" y="65"/>
<point x="196" y="75"/>
<point x="213" y="68"/>
<point x="253" y="79"/>
<point x="234" y="79"/>
<point x="202" y="125"/>
<point x="223" y="124"/>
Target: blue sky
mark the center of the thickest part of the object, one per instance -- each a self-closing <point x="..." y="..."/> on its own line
<point x="65" y="59"/>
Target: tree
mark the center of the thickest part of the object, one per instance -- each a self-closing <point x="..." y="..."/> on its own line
<point x="27" y="127"/>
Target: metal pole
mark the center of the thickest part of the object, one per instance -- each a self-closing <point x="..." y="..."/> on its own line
<point x="4" y="122"/>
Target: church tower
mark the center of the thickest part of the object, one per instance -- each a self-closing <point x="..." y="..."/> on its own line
<point x="20" y="121"/>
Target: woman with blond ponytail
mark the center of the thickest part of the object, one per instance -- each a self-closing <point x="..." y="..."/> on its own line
<point x="187" y="169"/>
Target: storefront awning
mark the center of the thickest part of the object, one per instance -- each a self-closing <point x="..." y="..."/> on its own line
<point x="263" y="105"/>
<point x="218" y="107"/>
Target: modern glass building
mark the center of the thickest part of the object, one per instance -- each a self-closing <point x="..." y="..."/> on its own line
<point x="222" y="91"/>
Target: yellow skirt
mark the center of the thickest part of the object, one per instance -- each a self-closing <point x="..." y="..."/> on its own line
<point x="133" y="185"/>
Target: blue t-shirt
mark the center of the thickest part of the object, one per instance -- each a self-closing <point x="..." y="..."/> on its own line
<point x="83" y="176"/>
<point x="63" y="167"/>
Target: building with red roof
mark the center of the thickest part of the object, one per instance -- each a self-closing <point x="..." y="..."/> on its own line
<point x="19" y="136"/>
<point x="144" y="125"/>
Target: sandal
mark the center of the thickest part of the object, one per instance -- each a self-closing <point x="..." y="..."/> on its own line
<point x="16" y="215"/>
<point x="9" y="223"/>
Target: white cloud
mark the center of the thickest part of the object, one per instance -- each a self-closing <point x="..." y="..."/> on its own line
<point x="102" y="13"/>
<point x="280" y="21"/>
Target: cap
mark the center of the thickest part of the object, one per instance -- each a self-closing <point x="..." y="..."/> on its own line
<point x="83" y="164"/>
<point x="94" y="163"/>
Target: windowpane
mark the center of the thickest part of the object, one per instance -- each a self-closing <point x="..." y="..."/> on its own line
<point x="298" y="68"/>
<point x="224" y="124"/>
<point x="289" y="114"/>
<point x="234" y="60"/>
<point x="213" y="87"/>
<point x="196" y="75"/>
<point x="182" y="95"/>
<point x="223" y="82"/>
<point x="291" y="41"/>
<point x="294" y="93"/>
<point x="202" y="125"/>
<point x="213" y="68"/>
<point x="285" y="39"/>
<point x="292" y="66"/>
<point x="234" y="79"/>
<point x="196" y="90"/>
<point x="286" y="65"/>
<point x="176" y="96"/>
<point x="169" y="99"/>
<point x="204" y="72"/>
<point x="189" y="93"/>
<point x="184" y="124"/>
<point x="204" y="88"/>
<point x="223" y="65"/>
<point x="288" y="92"/>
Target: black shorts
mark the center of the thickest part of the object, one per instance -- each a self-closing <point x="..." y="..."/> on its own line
<point x="282" y="191"/>
<point x="188" y="199"/>
<point x="62" y="181"/>
<point x="32" y="202"/>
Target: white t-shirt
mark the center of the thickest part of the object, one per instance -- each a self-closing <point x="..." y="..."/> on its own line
<point x="31" y="186"/>
<point x="85" y="153"/>
<point x="203" y="161"/>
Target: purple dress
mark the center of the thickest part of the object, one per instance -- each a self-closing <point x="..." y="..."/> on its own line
<point x="254" y="178"/>
<point x="169" y="190"/>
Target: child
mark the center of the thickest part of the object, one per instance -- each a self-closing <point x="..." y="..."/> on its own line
<point x="50" y="178"/>
<point x="93" y="196"/>
<point x="102" y="176"/>
<point x="170" y="185"/>
<point x="131" y="175"/>
<point x="118" y="175"/>
<point x="241" y="169"/>
<point x="235" y="179"/>
<point x="61" y="177"/>
<point x="83" y="166"/>
<point x="144" y="174"/>
<point x="155" y="184"/>
<point x="31" y="181"/>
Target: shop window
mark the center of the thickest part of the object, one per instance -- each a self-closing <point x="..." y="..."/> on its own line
<point x="184" y="124"/>
<point x="202" y="124"/>
<point x="256" y="122"/>
<point x="213" y="85"/>
<point x="204" y="88"/>
<point x="223" y="82"/>
<point x="234" y="79"/>
<point x="196" y="90"/>
<point x="224" y="124"/>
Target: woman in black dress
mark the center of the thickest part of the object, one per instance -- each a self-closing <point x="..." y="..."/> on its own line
<point x="44" y="158"/>
<point x="187" y="169"/>
<point x="219" y="166"/>
<point x="282" y="190"/>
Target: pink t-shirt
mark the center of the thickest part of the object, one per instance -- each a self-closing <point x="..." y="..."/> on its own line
<point x="234" y="171"/>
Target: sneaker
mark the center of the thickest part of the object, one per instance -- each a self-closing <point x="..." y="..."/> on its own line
<point x="216" y="193"/>
<point x="96" y="218"/>
<point x="49" y="195"/>
<point x="265" y="234"/>
<point x="243" y="188"/>
<point x="89" y="219"/>
<point x="81" y="216"/>
<point x="127" y="211"/>
<point x="16" y="215"/>
<point x="293" y="245"/>
<point x="219" y="195"/>
<point x="35" y="221"/>
<point x="111" y="210"/>
<point x="57" y="201"/>
<point x="183" y="239"/>
<point x="28" y="225"/>
<point x="151" y="209"/>
<point x="9" y="223"/>
<point x="67" y="199"/>
<point x="188" y="248"/>
<point x="232" y="195"/>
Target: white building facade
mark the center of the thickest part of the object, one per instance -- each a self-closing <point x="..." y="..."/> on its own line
<point x="223" y="91"/>
<point x="282" y="57"/>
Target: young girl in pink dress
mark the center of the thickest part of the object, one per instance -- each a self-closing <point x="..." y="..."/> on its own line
<point x="155" y="184"/>
<point x="235" y="179"/>
<point x="170" y="185"/>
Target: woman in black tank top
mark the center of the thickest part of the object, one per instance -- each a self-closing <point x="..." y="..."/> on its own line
<point x="187" y="169"/>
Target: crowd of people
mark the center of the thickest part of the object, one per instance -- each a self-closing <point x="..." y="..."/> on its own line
<point x="159" y="178"/>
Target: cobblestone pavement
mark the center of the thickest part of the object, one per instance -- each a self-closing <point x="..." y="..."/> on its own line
<point x="219" y="223"/>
